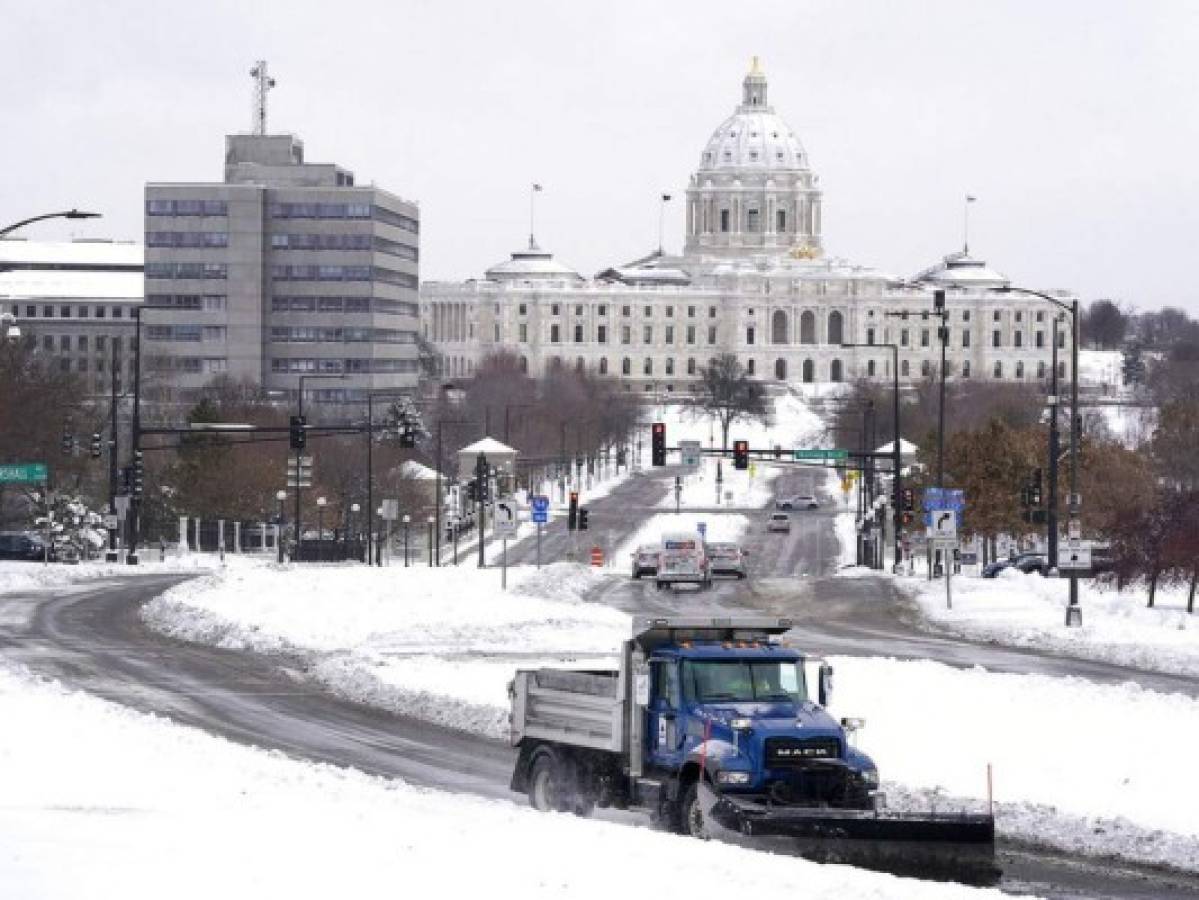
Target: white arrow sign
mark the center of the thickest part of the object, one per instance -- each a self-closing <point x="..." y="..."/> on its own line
<point x="507" y="518"/>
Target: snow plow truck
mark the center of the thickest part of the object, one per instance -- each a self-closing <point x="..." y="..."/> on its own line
<point x="708" y="724"/>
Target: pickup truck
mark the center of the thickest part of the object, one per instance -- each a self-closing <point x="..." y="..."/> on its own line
<point x="710" y="721"/>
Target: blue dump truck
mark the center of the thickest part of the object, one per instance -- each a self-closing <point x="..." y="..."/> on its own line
<point x="709" y="724"/>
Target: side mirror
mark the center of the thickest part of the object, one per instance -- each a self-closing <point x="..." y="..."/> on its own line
<point x="824" y="685"/>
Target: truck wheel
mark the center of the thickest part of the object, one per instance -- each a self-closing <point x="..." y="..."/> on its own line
<point x="554" y="787"/>
<point x="691" y="814"/>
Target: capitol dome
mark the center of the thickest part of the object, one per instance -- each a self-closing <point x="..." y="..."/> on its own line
<point x="754" y="191"/>
<point x="753" y="137"/>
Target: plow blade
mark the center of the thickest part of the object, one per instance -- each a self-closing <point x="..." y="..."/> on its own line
<point x="952" y="846"/>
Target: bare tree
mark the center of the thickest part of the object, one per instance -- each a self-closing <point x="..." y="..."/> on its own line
<point x="727" y="392"/>
<point x="1104" y="325"/>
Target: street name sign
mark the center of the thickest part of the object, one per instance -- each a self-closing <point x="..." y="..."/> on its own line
<point x="819" y="455"/>
<point x="691" y="452"/>
<point x="24" y="473"/>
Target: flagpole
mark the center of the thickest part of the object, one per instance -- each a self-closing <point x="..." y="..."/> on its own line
<point x="533" y="189"/>
<point x="966" y="224"/>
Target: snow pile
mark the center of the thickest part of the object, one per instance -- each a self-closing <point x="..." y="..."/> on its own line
<point x="23" y="576"/>
<point x="439" y="644"/>
<point x="1101" y="368"/>
<point x="1029" y="611"/>
<point x="152" y="804"/>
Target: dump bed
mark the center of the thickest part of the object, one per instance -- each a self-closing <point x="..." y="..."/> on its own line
<point x="578" y="708"/>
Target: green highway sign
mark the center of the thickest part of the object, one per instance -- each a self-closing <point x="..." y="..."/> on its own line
<point x="820" y="455"/>
<point x="23" y="473"/>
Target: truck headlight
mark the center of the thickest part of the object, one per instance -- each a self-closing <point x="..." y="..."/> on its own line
<point x="732" y="777"/>
<point x="870" y="777"/>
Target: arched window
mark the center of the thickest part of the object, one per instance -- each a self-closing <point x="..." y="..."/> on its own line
<point x="870" y="368"/>
<point x="647" y="367"/>
<point x="603" y="365"/>
<point x="670" y="365"/>
<point x="903" y="369"/>
<point x="780" y="369"/>
<point x="524" y="365"/>
<point x="778" y="328"/>
<point x="836" y="330"/>
<point x="1019" y="371"/>
<point x="809" y="370"/>
<point x="807" y="328"/>
<point x="749" y="367"/>
<point x="835" y="373"/>
<point x="626" y="366"/>
<point x="691" y="366"/>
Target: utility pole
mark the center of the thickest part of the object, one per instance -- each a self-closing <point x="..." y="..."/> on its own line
<point x="136" y="500"/>
<point x="1051" y="524"/>
<point x="113" y="452"/>
<point x="481" y="487"/>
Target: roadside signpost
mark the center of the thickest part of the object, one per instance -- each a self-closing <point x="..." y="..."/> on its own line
<point x="540" y="507"/>
<point x="504" y="524"/>
<point x="702" y="528"/>
<point x="692" y="453"/>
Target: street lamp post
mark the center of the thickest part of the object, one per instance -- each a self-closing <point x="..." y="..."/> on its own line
<point x="281" y="496"/>
<point x="68" y="214"/>
<point x="1073" y="612"/>
<point x="897" y="495"/>
<point x="430" y="520"/>
<point x="320" y="527"/>
<point x="354" y="508"/>
<point x="407" y="519"/>
<point x="1051" y="535"/>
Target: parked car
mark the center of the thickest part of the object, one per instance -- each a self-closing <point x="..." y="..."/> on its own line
<point x="18" y="545"/>
<point x="799" y="501"/>
<point x="727" y="559"/>
<point x="645" y="560"/>
<point x="1025" y="562"/>
<point x="779" y="521"/>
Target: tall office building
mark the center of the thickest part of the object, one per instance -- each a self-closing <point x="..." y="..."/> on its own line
<point x="284" y="269"/>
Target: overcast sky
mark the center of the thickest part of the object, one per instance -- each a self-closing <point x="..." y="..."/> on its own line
<point x="1074" y="123"/>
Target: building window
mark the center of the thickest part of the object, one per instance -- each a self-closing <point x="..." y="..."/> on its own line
<point x="750" y="368"/>
<point x="1019" y="371"/>
<point x="1019" y="338"/>
<point x="603" y="365"/>
<point x="554" y="337"/>
<point x="522" y="310"/>
<point x="647" y="367"/>
<point x="869" y="335"/>
<point x="870" y="368"/>
<point x="749" y="335"/>
<point x="626" y="310"/>
<point x="691" y="366"/>
<point x="554" y="309"/>
<point x="712" y="334"/>
<point x="649" y="312"/>
<point x="965" y="315"/>
<point x="711" y="312"/>
<point x="779" y="328"/>
<point x="1040" y="339"/>
<point x="1061" y="340"/>
<point x="924" y="337"/>
<point x="670" y="365"/>
<point x="925" y="368"/>
<point x="690" y="312"/>
<point x="1019" y="316"/>
<point x="626" y="366"/>
<point x="670" y="312"/>
<point x="966" y="369"/>
<point x="835" y="371"/>
<point x="807" y="327"/>
<point x="965" y="338"/>
<point x="1041" y="370"/>
<point x="603" y="309"/>
<point x="751" y="221"/>
<point x="524" y="333"/>
<point x="601" y="334"/>
<point x="578" y="310"/>
<point x="626" y="334"/>
<point x="690" y="334"/>
<point x="670" y="334"/>
<point x="903" y="337"/>
<point x="647" y="334"/>
<point x="780" y="221"/>
<point x="1061" y="370"/>
<point x="998" y="370"/>
<point x="578" y="334"/>
<point x="903" y="368"/>
<point x="996" y="338"/>
<point x="724" y="220"/>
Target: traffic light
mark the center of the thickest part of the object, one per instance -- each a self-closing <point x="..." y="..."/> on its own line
<point x="909" y="500"/>
<point x="659" y="443"/>
<point x="472" y="490"/>
<point x="583" y="518"/>
<point x="572" y="515"/>
<point x="139" y="473"/>
<point x="740" y="454"/>
<point x="484" y="489"/>
<point x="97" y="445"/>
<point x="909" y="518"/>
<point x="407" y="437"/>
<point x="296" y="434"/>
<point x="939" y="301"/>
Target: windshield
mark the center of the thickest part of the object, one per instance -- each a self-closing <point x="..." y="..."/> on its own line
<point x="714" y="681"/>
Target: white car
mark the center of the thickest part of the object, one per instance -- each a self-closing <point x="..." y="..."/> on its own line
<point x="645" y="560"/>
<point x="779" y="521"/>
<point x="799" y="501"/>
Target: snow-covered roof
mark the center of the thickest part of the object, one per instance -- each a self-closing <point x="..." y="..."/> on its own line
<point x="906" y="447"/>
<point x="487" y="445"/>
<point x="645" y="275"/>
<point x="965" y="270"/>
<point x="90" y="253"/>
<point x="71" y="270"/>
<point x="533" y="263"/>
<point x="753" y="137"/>
<point x="417" y="472"/>
<point x="54" y="285"/>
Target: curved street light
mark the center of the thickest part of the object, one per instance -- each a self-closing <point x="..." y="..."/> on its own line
<point x="66" y="214"/>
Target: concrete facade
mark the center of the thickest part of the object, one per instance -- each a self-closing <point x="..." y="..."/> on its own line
<point x="285" y="269"/>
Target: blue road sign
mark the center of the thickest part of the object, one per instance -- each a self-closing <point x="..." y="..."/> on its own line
<point x="539" y="509"/>
<point x="702" y="528"/>
<point x="945" y="498"/>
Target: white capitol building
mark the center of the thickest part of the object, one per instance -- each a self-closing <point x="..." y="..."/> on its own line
<point x="753" y="280"/>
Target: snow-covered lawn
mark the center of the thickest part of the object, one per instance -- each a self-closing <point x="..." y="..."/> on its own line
<point x="743" y="488"/>
<point x="19" y="576"/>
<point x="1069" y="756"/>
<point x="152" y="809"/>
<point x="1030" y="611"/>
<point x="793" y="424"/>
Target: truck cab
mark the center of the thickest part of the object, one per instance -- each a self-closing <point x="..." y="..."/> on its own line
<point x="742" y="713"/>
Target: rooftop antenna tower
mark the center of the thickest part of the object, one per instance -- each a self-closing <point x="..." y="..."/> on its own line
<point x="262" y="83"/>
